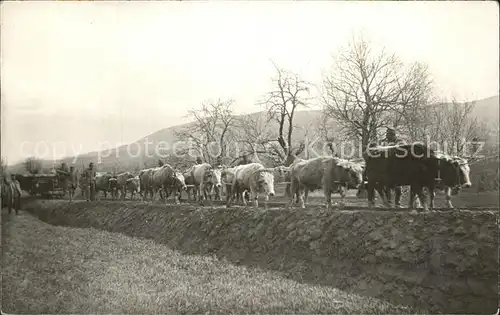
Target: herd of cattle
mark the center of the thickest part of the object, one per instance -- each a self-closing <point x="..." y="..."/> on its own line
<point x="385" y="170"/>
<point x="201" y="181"/>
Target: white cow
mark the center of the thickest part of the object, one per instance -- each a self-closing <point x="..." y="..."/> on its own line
<point x="255" y="178"/>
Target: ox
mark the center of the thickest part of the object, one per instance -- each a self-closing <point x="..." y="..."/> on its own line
<point x="362" y="191"/>
<point x="121" y="183"/>
<point x="145" y="184"/>
<point x="179" y="188"/>
<point x="166" y="178"/>
<point x="331" y="174"/>
<point x="452" y="176"/>
<point x="105" y="182"/>
<point x="290" y="160"/>
<point x="133" y="186"/>
<point x="205" y="178"/>
<point x="253" y="177"/>
<point x="214" y="185"/>
<point x="227" y="176"/>
<point x="392" y="166"/>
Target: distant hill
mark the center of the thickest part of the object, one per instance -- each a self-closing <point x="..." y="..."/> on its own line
<point x="136" y="160"/>
<point x="486" y="110"/>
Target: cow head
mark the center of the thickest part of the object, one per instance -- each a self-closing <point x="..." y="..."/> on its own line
<point x="463" y="168"/>
<point x="454" y="172"/>
<point x="353" y="175"/>
<point x="179" y="180"/>
<point x="265" y="182"/>
<point x="216" y="177"/>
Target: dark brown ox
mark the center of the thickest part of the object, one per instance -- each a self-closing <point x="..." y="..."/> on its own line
<point x="105" y="182"/>
<point x="362" y="192"/>
<point x="255" y="178"/>
<point x="453" y="175"/>
<point x="166" y="178"/>
<point x="121" y="183"/>
<point x="388" y="167"/>
<point x="326" y="172"/>
<point x="205" y="177"/>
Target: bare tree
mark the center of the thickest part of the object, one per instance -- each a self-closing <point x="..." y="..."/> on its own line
<point x="463" y="127"/>
<point x="367" y="91"/>
<point x="255" y="136"/>
<point x="329" y="133"/>
<point x="211" y="129"/>
<point x="451" y="126"/>
<point x="289" y="94"/>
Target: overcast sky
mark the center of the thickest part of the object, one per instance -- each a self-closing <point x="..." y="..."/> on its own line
<point x="85" y="60"/>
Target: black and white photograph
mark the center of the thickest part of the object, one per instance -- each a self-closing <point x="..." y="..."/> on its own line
<point x="250" y="157"/>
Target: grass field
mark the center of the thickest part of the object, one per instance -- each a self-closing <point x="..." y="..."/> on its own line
<point x="49" y="269"/>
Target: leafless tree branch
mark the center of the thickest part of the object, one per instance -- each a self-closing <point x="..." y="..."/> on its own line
<point x="367" y="91"/>
<point x="290" y="93"/>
